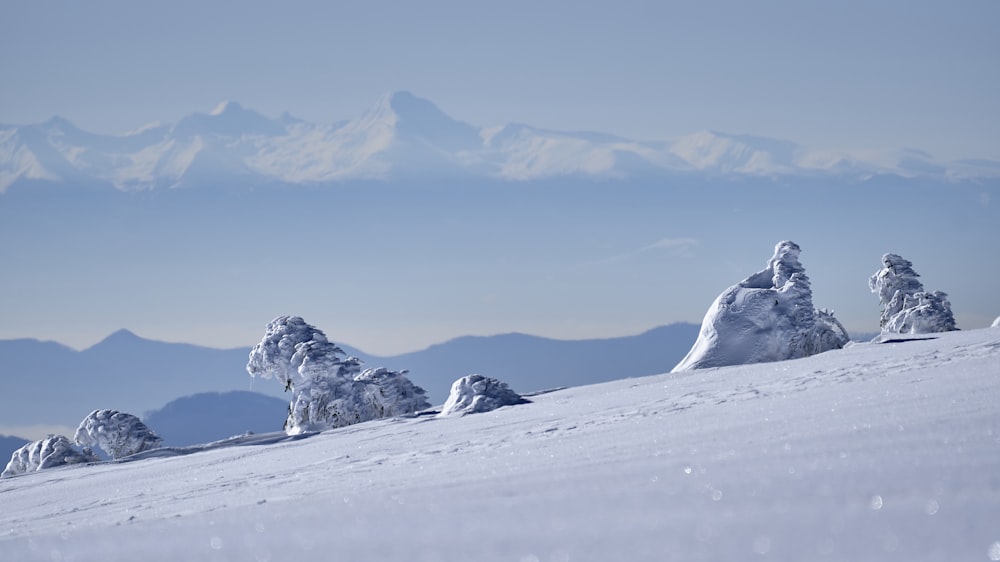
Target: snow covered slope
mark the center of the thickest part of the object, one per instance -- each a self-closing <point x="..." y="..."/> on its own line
<point x="874" y="452"/>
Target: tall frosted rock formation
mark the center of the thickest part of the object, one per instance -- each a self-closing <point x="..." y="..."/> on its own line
<point x="768" y="316"/>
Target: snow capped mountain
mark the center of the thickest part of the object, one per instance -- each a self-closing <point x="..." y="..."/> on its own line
<point x="404" y="136"/>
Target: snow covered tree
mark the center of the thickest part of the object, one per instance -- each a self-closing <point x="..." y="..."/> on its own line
<point x="768" y="316"/>
<point x="475" y="394"/>
<point x="328" y="390"/>
<point x="53" y="451"/>
<point x="906" y="307"/>
<point x="116" y="433"/>
<point x="387" y="393"/>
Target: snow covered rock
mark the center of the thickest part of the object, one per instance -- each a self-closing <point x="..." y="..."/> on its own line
<point x="475" y="394"/>
<point x="53" y="451"/>
<point x="768" y="316"/>
<point x="116" y="433"/>
<point x="328" y="390"/>
<point x="906" y="307"/>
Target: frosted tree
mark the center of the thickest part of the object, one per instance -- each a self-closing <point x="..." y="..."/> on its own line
<point x="906" y="307"/>
<point x="117" y="434"/>
<point x="53" y="451"/>
<point x="475" y="394"/>
<point x="328" y="389"/>
<point x="387" y="393"/>
<point x="768" y="316"/>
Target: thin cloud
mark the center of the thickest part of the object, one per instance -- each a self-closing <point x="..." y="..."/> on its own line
<point x="680" y="247"/>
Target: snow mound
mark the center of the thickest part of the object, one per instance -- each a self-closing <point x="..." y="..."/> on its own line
<point x="53" y="451"/>
<point x="996" y="323"/>
<point x="475" y="394"/>
<point x="906" y="307"/>
<point x="768" y="316"/>
<point x="116" y="433"/>
<point x="328" y="391"/>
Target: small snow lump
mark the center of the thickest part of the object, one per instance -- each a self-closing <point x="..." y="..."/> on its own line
<point x="475" y="394"/>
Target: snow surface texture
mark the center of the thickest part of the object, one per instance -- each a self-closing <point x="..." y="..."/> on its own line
<point x="116" y="433"/>
<point x="474" y="394"/>
<point x="328" y="390"/>
<point x="874" y="452"/>
<point x="56" y="450"/>
<point x="768" y="316"/>
<point x="906" y="307"/>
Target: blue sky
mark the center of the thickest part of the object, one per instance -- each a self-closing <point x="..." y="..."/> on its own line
<point x="886" y="74"/>
<point x="396" y="273"/>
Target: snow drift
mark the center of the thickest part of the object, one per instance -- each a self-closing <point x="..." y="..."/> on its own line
<point x="475" y="394"/>
<point x="906" y="307"/>
<point x="768" y="316"/>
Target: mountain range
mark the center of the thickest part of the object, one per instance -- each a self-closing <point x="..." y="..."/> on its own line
<point x="46" y="383"/>
<point x="403" y="136"/>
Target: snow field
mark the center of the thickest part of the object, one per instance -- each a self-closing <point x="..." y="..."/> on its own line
<point x="874" y="452"/>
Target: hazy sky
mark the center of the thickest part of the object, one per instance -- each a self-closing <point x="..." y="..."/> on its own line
<point x="395" y="273"/>
<point x="887" y="74"/>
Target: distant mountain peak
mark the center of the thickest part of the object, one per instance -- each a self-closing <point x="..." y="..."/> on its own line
<point x="60" y="123"/>
<point x="122" y="335"/>
<point x="229" y="118"/>
<point x="414" y="117"/>
<point x="227" y="106"/>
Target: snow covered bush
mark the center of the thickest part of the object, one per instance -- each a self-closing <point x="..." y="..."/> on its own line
<point x="53" y="451"/>
<point x="906" y="307"/>
<point x="116" y="433"/>
<point x="328" y="390"/>
<point x="768" y="316"/>
<point x="475" y="393"/>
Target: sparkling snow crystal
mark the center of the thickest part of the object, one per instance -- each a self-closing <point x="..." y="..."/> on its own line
<point x="328" y="390"/>
<point x="768" y="316"/>
<point x="906" y="307"/>
<point x="476" y="393"/>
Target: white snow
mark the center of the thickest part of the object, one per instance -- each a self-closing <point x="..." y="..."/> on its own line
<point x="996" y="323"/>
<point x="44" y="454"/>
<point x="768" y="316"/>
<point x="117" y="434"/>
<point x="873" y="452"/>
<point x="475" y="394"/>
<point x="328" y="390"/>
<point x="402" y="135"/>
<point x="906" y="307"/>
